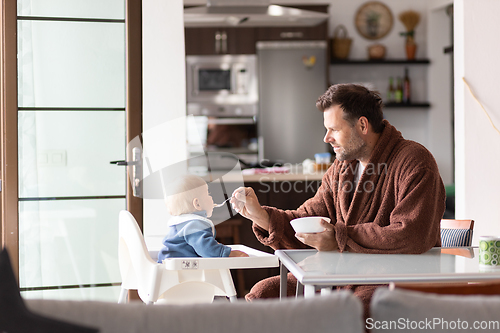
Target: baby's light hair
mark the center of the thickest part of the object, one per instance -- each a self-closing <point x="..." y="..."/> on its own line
<point x="181" y="193"/>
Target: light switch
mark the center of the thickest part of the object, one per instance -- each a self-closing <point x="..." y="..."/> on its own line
<point x="52" y="158"/>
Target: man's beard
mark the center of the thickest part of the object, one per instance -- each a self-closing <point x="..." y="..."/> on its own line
<point x="354" y="148"/>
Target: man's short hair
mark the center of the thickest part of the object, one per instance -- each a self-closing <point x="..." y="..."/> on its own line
<point x="356" y="101"/>
<point x="179" y="194"/>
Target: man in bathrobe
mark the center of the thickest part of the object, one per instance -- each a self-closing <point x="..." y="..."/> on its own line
<point x="383" y="193"/>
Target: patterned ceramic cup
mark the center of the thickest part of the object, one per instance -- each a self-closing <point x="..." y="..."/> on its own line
<point x="489" y="251"/>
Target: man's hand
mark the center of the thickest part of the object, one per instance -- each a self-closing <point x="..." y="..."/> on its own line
<point x="238" y="253"/>
<point x="245" y="202"/>
<point x="321" y="241"/>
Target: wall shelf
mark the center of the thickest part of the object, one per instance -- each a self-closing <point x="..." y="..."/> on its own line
<point x="380" y="62"/>
<point x="411" y="105"/>
<point x="405" y="62"/>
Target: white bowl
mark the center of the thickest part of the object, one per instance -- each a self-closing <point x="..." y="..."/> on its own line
<point x="308" y="224"/>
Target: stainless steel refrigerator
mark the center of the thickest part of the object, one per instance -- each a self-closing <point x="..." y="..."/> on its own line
<point x="292" y="75"/>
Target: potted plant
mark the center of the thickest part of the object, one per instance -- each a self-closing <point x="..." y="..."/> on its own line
<point x="410" y="19"/>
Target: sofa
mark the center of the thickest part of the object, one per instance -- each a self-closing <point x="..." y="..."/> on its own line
<point x="340" y="312"/>
<point x="390" y="311"/>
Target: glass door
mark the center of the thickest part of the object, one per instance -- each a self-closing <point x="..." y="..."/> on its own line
<point x="72" y="123"/>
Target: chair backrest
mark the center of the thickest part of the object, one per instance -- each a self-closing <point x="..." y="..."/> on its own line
<point x="456" y="232"/>
<point x="151" y="279"/>
<point x="133" y="256"/>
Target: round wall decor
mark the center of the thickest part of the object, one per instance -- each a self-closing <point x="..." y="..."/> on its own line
<point x="374" y="20"/>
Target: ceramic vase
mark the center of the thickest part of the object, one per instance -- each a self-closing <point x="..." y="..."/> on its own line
<point x="411" y="49"/>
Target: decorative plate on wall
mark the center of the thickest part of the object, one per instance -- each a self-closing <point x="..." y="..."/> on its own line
<point x="373" y="20"/>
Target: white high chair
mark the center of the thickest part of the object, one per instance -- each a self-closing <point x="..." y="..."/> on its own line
<point x="177" y="280"/>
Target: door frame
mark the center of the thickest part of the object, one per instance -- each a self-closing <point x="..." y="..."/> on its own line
<point x="8" y="132"/>
<point x="133" y="51"/>
<point x="9" y="188"/>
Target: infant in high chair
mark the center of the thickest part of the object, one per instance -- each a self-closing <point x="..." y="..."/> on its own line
<point x="191" y="233"/>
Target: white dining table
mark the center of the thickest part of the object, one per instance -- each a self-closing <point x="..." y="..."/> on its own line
<point x="323" y="270"/>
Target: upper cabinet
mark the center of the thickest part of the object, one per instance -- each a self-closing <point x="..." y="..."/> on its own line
<point x="223" y="40"/>
<point x="210" y="41"/>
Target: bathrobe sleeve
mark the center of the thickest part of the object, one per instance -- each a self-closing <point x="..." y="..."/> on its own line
<point x="281" y="234"/>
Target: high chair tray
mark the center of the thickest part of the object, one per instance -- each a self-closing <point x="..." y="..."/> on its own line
<point x="255" y="259"/>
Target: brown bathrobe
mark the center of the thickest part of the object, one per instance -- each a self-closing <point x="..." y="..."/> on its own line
<point x="396" y="208"/>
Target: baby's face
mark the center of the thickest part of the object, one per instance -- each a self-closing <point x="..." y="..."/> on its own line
<point x="206" y="201"/>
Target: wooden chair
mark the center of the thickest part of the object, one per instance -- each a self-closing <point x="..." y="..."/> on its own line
<point x="456" y="233"/>
<point x="463" y="288"/>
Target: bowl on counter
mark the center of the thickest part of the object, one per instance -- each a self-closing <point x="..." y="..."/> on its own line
<point x="309" y="224"/>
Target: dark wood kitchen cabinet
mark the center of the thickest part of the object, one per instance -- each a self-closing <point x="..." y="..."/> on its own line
<point x="210" y="41"/>
<point x="225" y="40"/>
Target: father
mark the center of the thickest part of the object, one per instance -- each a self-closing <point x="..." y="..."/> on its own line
<point x="383" y="193"/>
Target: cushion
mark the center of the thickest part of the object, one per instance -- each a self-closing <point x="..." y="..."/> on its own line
<point x="456" y="237"/>
<point x="340" y="312"/>
<point x="15" y="317"/>
<point x="404" y="310"/>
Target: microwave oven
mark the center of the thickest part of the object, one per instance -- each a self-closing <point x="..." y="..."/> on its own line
<point x="222" y="85"/>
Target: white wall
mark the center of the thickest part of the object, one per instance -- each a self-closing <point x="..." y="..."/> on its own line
<point x="164" y="93"/>
<point x="477" y="142"/>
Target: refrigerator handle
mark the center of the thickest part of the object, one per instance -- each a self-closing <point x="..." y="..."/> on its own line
<point x="291" y="34"/>
<point x="224" y="42"/>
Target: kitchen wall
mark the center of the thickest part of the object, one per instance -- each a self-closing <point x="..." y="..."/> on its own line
<point x="433" y="127"/>
<point x="414" y="123"/>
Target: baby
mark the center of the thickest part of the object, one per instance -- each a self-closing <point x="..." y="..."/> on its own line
<point x="190" y="232"/>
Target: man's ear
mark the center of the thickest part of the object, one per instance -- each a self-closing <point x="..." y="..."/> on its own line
<point x="363" y="124"/>
<point x="196" y="204"/>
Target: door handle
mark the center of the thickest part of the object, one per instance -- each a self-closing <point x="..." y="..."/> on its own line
<point x="136" y="172"/>
<point x="123" y="163"/>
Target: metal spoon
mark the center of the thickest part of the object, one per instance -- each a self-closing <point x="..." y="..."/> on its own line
<point x="221" y="204"/>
